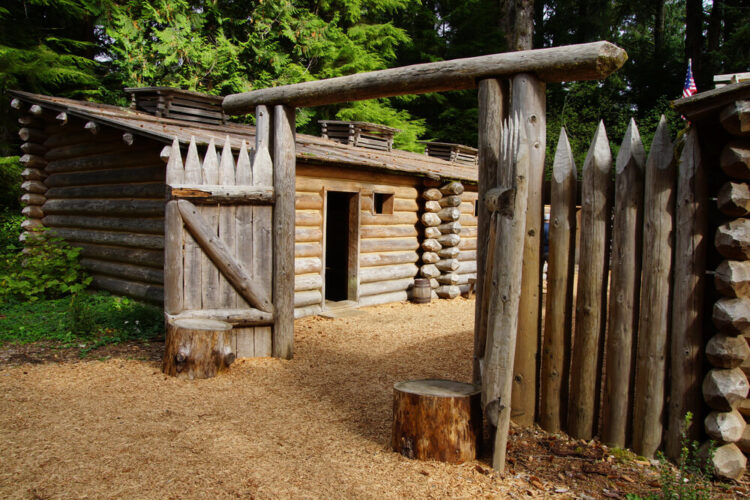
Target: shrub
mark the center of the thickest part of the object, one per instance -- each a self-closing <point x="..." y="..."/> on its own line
<point x="47" y="269"/>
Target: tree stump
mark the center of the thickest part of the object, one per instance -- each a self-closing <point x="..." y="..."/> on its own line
<point x="197" y="348"/>
<point x="436" y="420"/>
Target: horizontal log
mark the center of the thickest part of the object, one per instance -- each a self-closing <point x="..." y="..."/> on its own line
<point x="385" y="273"/>
<point x="33" y="174"/>
<point x="463" y="279"/>
<point x="128" y="138"/>
<point x="122" y="270"/>
<point x="430" y="257"/>
<point x="389" y="219"/>
<point x="388" y="245"/>
<point x="130" y="255"/>
<point x="235" y="317"/>
<point x="728" y="462"/>
<point x="467" y="244"/>
<point x="387" y="258"/>
<point x="16" y="103"/>
<point x="727" y="351"/>
<point x="62" y="117"/>
<point x="36" y="110"/>
<point x="116" y="176"/>
<point x="387" y="231"/>
<point x="732" y="278"/>
<point x="467" y="267"/>
<point x="308" y="250"/>
<point x="308" y="234"/>
<point x="127" y="208"/>
<point x="450" y="201"/>
<point x="735" y="118"/>
<point x="732" y="239"/>
<point x="732" y="316"/>
<point x="449" y="240"/>
<point x="449" y="214"/>
<point x="448" y="291"/>
<point x="430" y="219"/>
<point x="33" y="199"/>
<point x="150" y="241"/>
<point x="725" y="427"/>
<point x="28" y="134"/>
<point x="448" y="265"/>
<point x="153" y="190"/>
<point x="85" y="149"/>
<point x="450" y="228"/>
<point x="37" y="187"/>
<point x="307" y="298"/>
<point x="467" y="255"/>
<point x="303" y="312"/>
<point x="384" y="298"/>
<point x="105" y="161"/>
<point x="744" y="442"/>
<point x="734" y="199"/>
<point x="449" y="252"/>
<point x="64" y="136"/>
<point x="232" y="195"/>
<point x="308" y="282"/>
<point x="429" y="271"/>
<point x="382" y="287"/>
<point x="468" y="220"/>
<point x="31" y="122"/>
<point x="432" y="194"/>
<point x="575" y="62"/>
<point x="448" y="279"/>
<point x="452" y="188"/>
<point x="307" y="265"/>
<point x="372" y="182"/>
<point x="432" y="206"/>
<point x="467" y="208"/>
<point x="469" y="232"/>
<point x="308" y="218"/>
<point x="735" y="159"/>
<point x="308" y="201"/>
<point x="141" y="291"/>
<point x="431" y="245"/>
<point x="723" y="389"/>
<point x="432" y="233"/>
<point x="134" y="225"/>
<point x="32" y="161"/>
<point x="31" y="225"/>
<point x="399" y="204"/>
<point x="34" y="211"/>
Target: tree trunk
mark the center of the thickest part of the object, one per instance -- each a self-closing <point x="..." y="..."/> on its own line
<point x="197" y="348"/>
<point x="517" y="23"/>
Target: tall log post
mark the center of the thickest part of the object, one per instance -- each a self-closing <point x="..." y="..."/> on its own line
<point x="592" y="280"/>
<point x="283" y="233"/>
<point x="491" y="109"/>
<point x="528" y="97"/>
<point x="559" y="315"/>
<point x="626" y="274"/>
<point x="508" y="207"/>
<point x="691" y="238"/>
<point x="648" y="409"/>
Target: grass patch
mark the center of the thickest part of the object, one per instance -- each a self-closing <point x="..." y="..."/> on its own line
<point x="89" y="319"/>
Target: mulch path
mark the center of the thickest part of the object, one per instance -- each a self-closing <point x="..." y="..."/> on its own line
<point x="318" y="426"/>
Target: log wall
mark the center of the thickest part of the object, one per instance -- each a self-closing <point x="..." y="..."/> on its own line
<point x="467" y="255"/>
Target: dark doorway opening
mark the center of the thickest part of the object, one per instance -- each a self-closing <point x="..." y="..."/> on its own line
<point x="342" y="210"/>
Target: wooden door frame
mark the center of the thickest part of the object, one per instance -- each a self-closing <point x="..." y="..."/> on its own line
<point x="355" y="205"/>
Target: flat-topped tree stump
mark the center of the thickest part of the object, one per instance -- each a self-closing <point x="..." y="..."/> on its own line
<point x="197" y="348"/>
<point x="436" y="420"/>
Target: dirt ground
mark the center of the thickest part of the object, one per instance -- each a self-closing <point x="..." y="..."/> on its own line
<point x="314" y="427"/>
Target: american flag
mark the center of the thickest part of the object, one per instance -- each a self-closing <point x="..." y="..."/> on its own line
<point x="689" y="88"/>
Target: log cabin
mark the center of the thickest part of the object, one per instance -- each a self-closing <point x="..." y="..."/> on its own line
<point x="369" y="218"/>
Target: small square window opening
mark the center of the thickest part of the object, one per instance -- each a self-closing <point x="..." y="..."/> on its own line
<point x="382" y="203"/>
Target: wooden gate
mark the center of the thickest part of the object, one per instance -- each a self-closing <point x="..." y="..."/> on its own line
<point x="223" y="259"/>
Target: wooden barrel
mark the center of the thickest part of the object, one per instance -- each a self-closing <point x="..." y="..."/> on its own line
<point x="422" y="292"/>
<point x="436" y="420"/>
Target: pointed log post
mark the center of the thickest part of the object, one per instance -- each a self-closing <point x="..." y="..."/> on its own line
<point x="653" y="325"/>
<point x="559" y="315"/>
<point x="491" y="109"/>
<point x="508" y="203"/>
<point x="192" y="297"/>
<point x="283" y="231"/>
<point x="173" y="237"/>
<point x="226" y="219"/>
<point x="245" y="227"/>
<point x="528" y="97"/>
<point x="691" y="238"/>
<point x="592" y="283"/>
<point x="209" y="273"/>
<point x="626" y="280"/>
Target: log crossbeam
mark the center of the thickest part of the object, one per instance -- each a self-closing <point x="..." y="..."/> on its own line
<point x="245" y="195"/>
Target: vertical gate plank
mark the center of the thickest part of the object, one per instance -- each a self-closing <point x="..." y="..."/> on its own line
<point x="592" y="287"/>
<point x="227" y="295"/>
<point x="263" y="254"/>
<point x="687" y="315"/>
<point x="173" y="272"/>
<point x="193" y="256"/>
<point x="653" y="325"/>
<point x="625" y="287"/>
<point x="528" y="97"/>
<point x="283" y="225"/>
<point x="560" y="270"/>
<point x="491" y="111"/>
<point x="209" y="272"/>
<point x="245" y="336"/>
